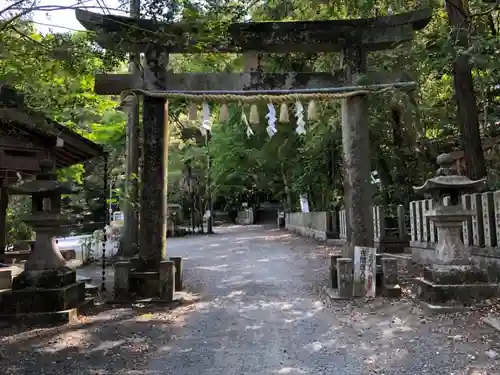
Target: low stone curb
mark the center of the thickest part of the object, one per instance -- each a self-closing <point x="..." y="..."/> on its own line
<point x="432" y="309"/>
<point x="330" y="296"/>
<point x="492" y="322"/>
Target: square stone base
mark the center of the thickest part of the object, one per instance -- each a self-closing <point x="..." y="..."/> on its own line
<point x="150" y="285"/>
<point x="433" y="309"/>
<point x="461" y="294"/>
<point x="392" y="291"/>
<point x="42" y="300"/>
<point x="45" y="279"/>
<point x="455" y="274"/>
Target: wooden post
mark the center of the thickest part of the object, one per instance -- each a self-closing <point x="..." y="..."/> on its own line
<point x="130" y="241"/>
<point x="356" y="148"/>
<point x="152" y="229"/>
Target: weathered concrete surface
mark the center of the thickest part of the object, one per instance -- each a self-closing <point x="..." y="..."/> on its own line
<point x="258" y="314"/>
<point x="310" y="224"/>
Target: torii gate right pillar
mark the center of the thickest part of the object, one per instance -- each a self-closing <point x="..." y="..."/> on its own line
<point x="356" y="149"/>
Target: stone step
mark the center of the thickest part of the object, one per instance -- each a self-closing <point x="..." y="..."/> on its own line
<point x="400" y="256"/>
<point x="83" y="278"/>
<point x="91" y="290"/>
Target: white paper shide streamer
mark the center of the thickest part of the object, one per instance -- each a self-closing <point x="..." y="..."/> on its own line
<point x="205" y="119"/>
<point x="245" y="122"/>
<point x="271" y="120"/>
<point x="299" y="114"/>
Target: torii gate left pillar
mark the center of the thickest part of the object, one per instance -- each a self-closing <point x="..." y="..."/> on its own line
<point x="152" y="275"/>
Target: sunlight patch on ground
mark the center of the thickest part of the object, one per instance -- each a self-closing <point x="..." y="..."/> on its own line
<point x="77" y="338"/>
<point x="234" y="280"/>
<point x="235" y="293"/>
<point x="167" y="348"/>
<point x="316" y="346"/>
<point x="220" y="268"/>
<point x="254" y="327"/>
<point x="290" y="370"/>
<point x="107" y="345"/>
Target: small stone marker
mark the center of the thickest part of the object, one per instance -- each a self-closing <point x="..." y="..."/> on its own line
<point x="425" y="221"/>
<point x="390" y="282"/>
<point x="167" y="280"/>
<point x="5" y="278"/>
<point x="364" y="271"/>
<point x="432" y="227"/>
<point x="477" y="222"/>
<point x="490" y="234"/>
<point x="343" y="224"/>
<point x="122" y="270"/>
<point x="419" y="220"/>
<point x="345" y="277"/>
<point x="413" y="224"/>
<point x="333" y="270"/>
<point x="496" y="200"/>
<point x="179" y="272"/>
<point x="467" y="224"/>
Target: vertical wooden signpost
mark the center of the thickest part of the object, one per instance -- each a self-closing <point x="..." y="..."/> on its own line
<point x="364" y="271"/>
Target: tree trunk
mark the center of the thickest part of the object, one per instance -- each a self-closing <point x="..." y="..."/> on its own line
<point x="467" y="113"/>
<point x="288" y="193"/>
<point x="4" y="203"/>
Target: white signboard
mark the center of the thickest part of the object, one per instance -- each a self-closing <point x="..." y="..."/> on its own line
<point x="365" y="268"/>
<point x="117" y="219"/>
<point x="304" y="204"/>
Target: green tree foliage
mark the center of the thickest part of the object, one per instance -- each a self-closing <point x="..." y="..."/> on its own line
<point x="55" y="72"/>
<point x="407" y="130"/>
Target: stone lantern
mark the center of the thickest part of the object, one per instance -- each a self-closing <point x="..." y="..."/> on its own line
<point x="47" y="284"/>
<point x="452" y="279"/>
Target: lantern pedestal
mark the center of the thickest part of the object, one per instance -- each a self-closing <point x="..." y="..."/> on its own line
<point x="47" y="290"/>
<point x="452" y="282"/>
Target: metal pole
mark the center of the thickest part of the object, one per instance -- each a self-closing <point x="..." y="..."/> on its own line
<point x="130" y="214"/>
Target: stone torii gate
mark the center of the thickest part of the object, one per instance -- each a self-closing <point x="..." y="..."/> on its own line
<point x="352" y="38"/>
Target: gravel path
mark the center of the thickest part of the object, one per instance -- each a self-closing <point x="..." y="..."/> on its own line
<point x="258" y="313"/>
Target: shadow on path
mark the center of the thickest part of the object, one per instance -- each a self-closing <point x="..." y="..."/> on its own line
<point x="259" y="314"/>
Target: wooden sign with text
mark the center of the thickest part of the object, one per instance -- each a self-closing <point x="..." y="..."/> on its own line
<point x="365" y="269"/>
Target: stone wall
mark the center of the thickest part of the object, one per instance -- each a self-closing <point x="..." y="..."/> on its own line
<point x="390" y="234"/>
<point x="245" y="217"/>
<point x="310" y="224"/>
<point x="481" y="233"/>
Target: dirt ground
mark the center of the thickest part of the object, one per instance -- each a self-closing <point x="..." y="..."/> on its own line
<point x="252" y="307"/>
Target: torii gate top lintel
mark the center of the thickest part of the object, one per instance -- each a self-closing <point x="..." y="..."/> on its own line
<point x="375" y="33"/>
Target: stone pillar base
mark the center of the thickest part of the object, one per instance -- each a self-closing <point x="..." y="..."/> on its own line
<point x="390" y="282"/>
<point x="44" y="293"/>
<point x="179" y="272"/>
<point x="457" y="285"/>
<point x="345" y="277"/>
<point x="122" y="287"/>
<point x="47" y="279"/>
<point x="333" y="270"/>
<point x="386" y="276"/>
<point x="5" y="279"/>
<point x="153" y="285"/>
